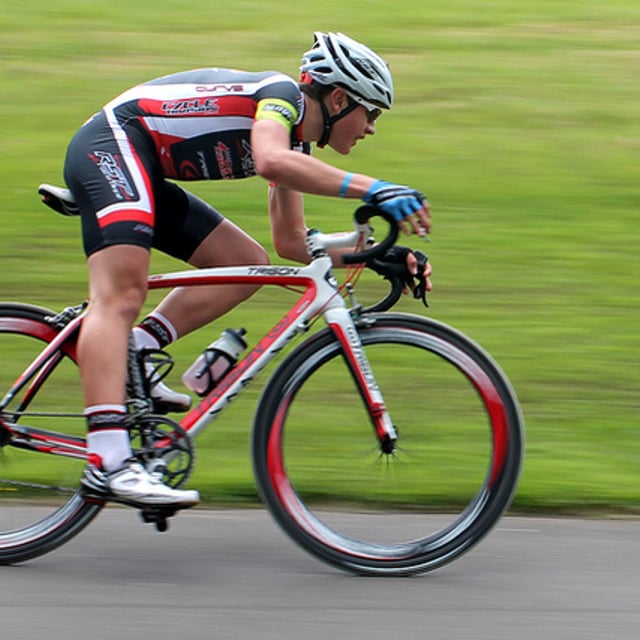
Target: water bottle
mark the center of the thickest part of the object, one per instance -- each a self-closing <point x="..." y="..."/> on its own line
<point x="216" y="360"/>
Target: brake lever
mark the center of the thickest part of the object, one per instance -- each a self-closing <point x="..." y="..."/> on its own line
<point x="400" y="278"/>
<point x="420" y="288"/>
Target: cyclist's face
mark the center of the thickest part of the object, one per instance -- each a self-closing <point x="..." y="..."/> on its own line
<point x="355" y="126"/>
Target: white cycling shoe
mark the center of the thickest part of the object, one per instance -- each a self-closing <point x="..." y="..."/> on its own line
<point x="135" y="486"/>
<point x="165" y="399"/>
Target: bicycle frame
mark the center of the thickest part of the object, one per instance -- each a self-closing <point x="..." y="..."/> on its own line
<point x="320" y="297"/>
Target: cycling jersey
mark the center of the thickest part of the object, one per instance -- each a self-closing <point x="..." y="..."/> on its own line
<point x="193" y="125"/>
<point x="200" y="121"/>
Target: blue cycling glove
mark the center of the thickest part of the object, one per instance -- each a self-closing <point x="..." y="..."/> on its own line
<point x="395" y="199"/>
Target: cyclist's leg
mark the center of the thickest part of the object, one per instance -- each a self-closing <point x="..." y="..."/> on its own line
<point x="104" y="171"/>
<point x="111" y="180"/>
<point x="117" y="277"/>
<point x="200" y="235"/>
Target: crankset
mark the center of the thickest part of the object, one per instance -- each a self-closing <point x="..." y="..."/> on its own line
<point x="163" y="447"/>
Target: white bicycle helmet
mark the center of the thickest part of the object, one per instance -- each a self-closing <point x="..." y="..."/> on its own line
<point x="336" y="59"/>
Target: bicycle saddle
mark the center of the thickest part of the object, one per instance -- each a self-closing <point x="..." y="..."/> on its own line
<point x="59" y="199"/>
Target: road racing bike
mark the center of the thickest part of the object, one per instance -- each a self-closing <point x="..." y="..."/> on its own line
<point x="383" y="443"/>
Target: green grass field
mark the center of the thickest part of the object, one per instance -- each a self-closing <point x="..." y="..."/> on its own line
<point x="518" y="119"/>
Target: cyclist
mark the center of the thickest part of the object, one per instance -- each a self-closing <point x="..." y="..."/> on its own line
<point x="206" y="124"/>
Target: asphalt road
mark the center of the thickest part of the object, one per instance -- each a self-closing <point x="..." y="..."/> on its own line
<point x="234" y="575"/>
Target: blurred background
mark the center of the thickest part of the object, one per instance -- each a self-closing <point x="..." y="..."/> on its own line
<point x="519" y="120"/>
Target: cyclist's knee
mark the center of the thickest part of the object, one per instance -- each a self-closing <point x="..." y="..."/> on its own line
<point x="118" y="281"/>
<point x="130" y="302"/>
<point x="123" y="304"/>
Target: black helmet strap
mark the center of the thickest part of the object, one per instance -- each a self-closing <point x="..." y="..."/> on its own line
<point x="329" y="121"/>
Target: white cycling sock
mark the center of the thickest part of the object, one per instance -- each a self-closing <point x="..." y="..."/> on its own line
<point x="112" y="446"/>
<point x="107" y="436"/>
<point x="154" y="332"/>
<point x="144" y="340"/>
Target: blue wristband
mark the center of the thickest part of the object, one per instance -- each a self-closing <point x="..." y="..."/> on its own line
<point x="345" y="185"/>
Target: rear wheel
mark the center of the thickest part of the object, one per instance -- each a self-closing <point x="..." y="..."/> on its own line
<point x="40" y="507"/>
<point x="322" y="474"/>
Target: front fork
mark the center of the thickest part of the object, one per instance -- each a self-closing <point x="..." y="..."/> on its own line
<point x="341" y="323"/>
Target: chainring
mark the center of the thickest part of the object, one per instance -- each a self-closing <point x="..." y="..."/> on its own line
<point x="163" y="446"/>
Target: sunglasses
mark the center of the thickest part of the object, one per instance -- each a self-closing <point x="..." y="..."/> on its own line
<point x="373" y="114"/>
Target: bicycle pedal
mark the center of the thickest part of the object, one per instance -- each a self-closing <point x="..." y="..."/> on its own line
<point x="158" y="517"/>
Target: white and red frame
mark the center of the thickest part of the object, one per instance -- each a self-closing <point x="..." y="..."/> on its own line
<point x="320" y="297"/>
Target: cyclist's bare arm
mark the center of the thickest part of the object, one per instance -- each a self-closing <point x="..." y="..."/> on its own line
<point x="288" y="226"/>
<point x="277" y="162"/>
<point x="293" y="174"/>
<point x="289" y="230"/>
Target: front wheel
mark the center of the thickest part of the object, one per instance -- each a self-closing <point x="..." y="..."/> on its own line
<point x="321" y="472"/>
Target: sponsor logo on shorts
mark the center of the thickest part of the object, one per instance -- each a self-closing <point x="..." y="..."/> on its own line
<point x="110" y="166"/>
<point x="144" y="229"/>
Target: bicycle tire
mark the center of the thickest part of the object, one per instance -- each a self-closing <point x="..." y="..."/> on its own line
<point x="40" y="508"/>
<point x="453" y="480"/>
